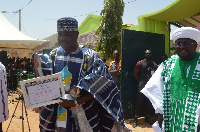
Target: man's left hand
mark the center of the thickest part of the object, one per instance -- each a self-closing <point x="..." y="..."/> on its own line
<point x="67" y="103"/>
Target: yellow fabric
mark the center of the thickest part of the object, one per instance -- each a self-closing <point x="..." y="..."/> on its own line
<point x="67" y="80"/>
<point x="62" y="117"/>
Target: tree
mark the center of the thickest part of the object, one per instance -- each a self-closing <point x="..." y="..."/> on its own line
<point x="109" y="30"/>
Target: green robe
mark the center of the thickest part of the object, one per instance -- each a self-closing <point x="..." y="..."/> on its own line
<point x="174" y="92"/>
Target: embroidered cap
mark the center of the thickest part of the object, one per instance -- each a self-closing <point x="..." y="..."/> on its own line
<point x="186" y="32"/>
<point x="67" y="24"/>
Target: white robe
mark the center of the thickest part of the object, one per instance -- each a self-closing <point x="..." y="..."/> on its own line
<point x="154" y="90"/>
<point x="3" y="94"/>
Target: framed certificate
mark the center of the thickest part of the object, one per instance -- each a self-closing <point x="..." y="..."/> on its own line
<point x="42" y="91"/>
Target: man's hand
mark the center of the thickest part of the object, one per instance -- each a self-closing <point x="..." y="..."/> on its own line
<point x="160" y="120"/>
<point x="67" y="103"/>
<point x="36" y="110"/>
<point x="80" y="100"/>
<point x="75" y="91"/>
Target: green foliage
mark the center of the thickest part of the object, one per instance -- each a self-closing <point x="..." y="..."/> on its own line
<point x="109" y="30"/>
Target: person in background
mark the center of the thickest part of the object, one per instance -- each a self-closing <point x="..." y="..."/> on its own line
<point x="174" y="89"/>
<point x="115" y="67"/>
<point x="143" y="71"/>
<point x="3" y="96"/>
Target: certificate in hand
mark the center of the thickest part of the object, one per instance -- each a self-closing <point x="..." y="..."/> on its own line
<point x="42" y="91"/>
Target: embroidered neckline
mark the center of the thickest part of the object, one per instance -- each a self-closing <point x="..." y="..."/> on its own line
<point x="181" y="77"/>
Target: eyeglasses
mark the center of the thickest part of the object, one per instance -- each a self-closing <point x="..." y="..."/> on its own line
<point x="147" y="53"/>
<point x="185" y="44"/>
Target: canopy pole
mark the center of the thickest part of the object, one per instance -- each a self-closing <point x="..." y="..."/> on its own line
<point x="19" y="20"/>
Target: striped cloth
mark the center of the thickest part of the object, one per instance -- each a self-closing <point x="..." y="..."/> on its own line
<point x="47" y="118"/>
<point x="3" y="94"/>
<point x="104" y="113"/>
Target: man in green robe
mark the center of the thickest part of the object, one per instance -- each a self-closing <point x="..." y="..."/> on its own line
<point x="174" y="89"/>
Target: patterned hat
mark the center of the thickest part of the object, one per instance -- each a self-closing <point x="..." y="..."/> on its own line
<point x="67" y="24"/>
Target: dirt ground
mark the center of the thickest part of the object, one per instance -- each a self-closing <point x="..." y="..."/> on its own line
<point x="15" y="113"/>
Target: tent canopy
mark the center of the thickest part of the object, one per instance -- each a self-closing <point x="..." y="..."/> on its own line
<point x="12" y="38"/>
<point x="179" y="13"/>
<point x="183" y="12"/>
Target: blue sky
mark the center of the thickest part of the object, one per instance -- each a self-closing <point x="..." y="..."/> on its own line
<point x="39" y="16"/>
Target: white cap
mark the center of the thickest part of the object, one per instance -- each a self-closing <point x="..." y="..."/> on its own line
<point x="186" y="32"/>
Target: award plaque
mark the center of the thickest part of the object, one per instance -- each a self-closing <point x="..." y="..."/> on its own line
<point x="42" y="91"/>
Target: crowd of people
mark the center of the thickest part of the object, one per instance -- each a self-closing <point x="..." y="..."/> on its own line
<point x="18" y="69"/>
<point x="23" y="64"/>
<point x="170" y="90"/>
